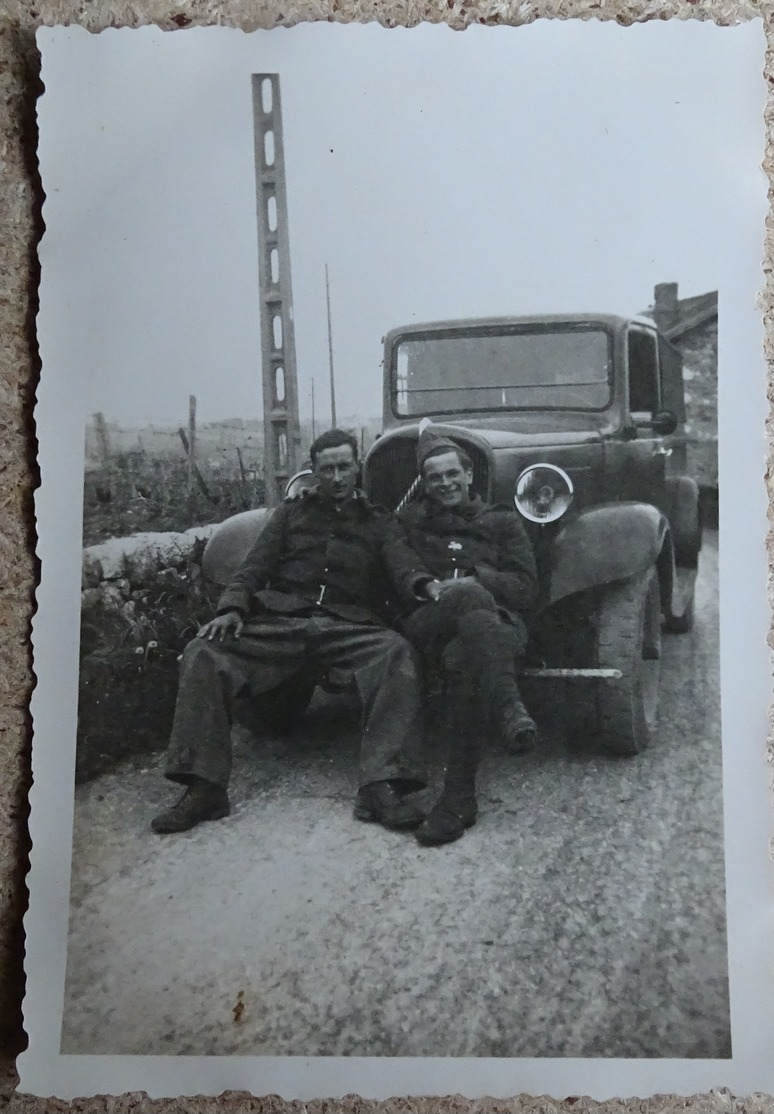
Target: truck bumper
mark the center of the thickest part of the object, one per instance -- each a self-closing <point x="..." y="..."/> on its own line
<point x="574" y="674"/>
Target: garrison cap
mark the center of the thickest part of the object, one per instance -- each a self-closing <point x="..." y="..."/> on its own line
<point x="431" y="441"/>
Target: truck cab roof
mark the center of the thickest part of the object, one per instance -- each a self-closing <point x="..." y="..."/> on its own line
<point x="462" y="324"/>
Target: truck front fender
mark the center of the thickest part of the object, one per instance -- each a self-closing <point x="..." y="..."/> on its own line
<point x="603" y="544"/>
<point x="232" y="541"/>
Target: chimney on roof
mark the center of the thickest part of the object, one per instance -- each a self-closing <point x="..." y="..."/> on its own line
<point x="666" y="311"/>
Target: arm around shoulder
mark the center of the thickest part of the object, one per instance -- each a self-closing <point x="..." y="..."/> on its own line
<point x="407" y="571"/>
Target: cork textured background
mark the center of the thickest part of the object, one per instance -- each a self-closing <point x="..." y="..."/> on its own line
<point x="20" y="229"/>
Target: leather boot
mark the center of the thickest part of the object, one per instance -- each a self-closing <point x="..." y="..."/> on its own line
<point x="496" y="651"/>
<point x="447" y="820"/>
<point x="382" y="803"/>
<point x="517" y="727"/>
<point x="456" y="809"/>
<point x="202" y="801"/>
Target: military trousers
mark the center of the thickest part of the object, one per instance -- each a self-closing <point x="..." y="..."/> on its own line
<point x="270" y="651"/>
<point x="465" y="636"/>
<point x="465" y="632"/>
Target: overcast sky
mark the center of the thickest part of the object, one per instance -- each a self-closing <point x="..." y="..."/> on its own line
<point x="555" y="167"/>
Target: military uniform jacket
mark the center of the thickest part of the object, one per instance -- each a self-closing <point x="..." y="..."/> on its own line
<point x="476" y="539"/>
<point x="344" y="560"/>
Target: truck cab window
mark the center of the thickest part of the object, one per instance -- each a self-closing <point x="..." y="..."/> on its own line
<point x="643" y="373"/>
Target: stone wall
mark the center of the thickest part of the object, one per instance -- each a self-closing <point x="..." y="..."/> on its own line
<point x="116" y="574"/>
<point x="700" y="369"/>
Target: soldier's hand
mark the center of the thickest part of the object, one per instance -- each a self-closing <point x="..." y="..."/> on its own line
<point x="222" y="625"/>
<point x="451" y="583"/>
<point x="432" y="589"/>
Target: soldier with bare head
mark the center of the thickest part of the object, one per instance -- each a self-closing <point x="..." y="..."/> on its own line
<point x="309" y="594"/>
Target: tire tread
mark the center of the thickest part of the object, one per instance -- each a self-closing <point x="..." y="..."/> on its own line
<point x="622" y="728"/>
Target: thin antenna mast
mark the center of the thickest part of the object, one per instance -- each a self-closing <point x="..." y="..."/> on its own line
<point x="330" y="348"/>
<point x="314" y="427"/>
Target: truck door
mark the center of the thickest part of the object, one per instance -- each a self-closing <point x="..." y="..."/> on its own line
<point x="670" y="368"/>
<point x="644" y="474"/>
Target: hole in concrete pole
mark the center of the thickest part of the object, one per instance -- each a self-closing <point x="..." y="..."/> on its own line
<point x="279" y="384"/>
<point x="276" y="325"/>
<point x="271" y="213"/>
<point x="274" y="265"/>
<point x="268" y="148"/>
<point x="266" y="95"/>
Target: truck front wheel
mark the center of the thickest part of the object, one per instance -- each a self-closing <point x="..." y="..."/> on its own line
<point x="628" y="639"/>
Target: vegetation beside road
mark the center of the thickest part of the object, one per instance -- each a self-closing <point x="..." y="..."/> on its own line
<point x="136" y="491"/>
<point x="129" y="652"/>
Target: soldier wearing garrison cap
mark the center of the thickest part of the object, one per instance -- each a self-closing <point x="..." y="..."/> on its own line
<point x="470" y="622"/>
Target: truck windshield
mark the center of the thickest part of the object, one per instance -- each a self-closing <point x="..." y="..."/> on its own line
<point x="521" y="369"/>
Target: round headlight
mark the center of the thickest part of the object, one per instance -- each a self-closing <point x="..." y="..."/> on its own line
<point x="543" y="493"/>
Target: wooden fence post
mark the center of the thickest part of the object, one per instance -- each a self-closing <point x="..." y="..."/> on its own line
<point x="103" y="438"/>
<point x="105" y="456"/>
<point x="243" y="486"/>
<point x="196" y="470"/>
<point x="191" y="441"/>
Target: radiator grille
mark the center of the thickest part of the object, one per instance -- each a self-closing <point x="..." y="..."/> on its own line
<point x="392" y="469"/>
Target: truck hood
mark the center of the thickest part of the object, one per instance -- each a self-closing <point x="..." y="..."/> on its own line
<point x="509" y="439"/>
<point x="526" y="430"/>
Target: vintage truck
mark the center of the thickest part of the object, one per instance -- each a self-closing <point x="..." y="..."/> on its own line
<point x="578" y="422"/>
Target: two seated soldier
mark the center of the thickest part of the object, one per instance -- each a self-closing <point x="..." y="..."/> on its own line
<point x="311" y="591"/>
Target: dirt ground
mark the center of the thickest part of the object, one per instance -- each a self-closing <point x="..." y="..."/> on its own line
<point x="582" y="916"/>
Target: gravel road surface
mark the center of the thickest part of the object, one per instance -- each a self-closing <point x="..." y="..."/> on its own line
<point x="582" y="916"/>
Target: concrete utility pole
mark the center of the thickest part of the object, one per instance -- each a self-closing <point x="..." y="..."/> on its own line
<point x="282" y="433"/>
<point x="330" y="348"/>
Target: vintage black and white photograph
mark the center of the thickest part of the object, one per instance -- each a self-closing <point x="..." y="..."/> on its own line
<point x="396" y="699"/>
